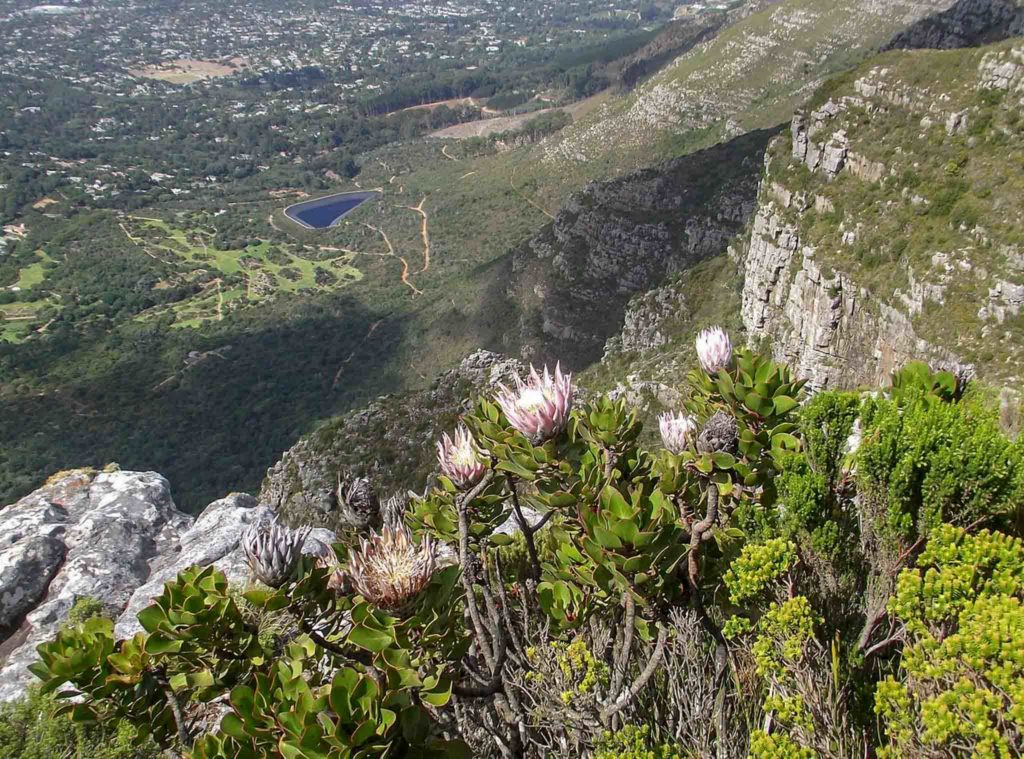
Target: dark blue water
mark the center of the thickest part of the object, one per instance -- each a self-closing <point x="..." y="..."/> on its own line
<point x="326" y="212"/>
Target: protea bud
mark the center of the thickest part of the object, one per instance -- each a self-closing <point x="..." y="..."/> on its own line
<point x="389" y="570"/>
<point x="357" y="501"/>
<point x="539" y="407"/>
<point x="461" y="459"/>
<point x="714" y="349"/>
<point x="720" y="433"/>
<point x="392" y="511"/>
<point x="273" y="551"/>
<point x="677" y="431"/>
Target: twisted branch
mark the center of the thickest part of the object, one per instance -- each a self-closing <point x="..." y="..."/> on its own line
<point x="637" y="685"/>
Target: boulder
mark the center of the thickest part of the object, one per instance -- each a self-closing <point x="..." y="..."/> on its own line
<point x="115" y="537"/>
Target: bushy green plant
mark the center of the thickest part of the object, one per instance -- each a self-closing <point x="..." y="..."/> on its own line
<point x="30" y="728"/>
<point x="961" y="678"/>
<point x="543" y="642"/>
<point x="633" y="742"/>
<point x="923" y="463"/>
<point x="33" y="727"/>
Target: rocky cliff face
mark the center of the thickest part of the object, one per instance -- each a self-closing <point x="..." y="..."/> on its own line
<point x="115" y="537"/>
<point x="830" y="331"/>
<point x="615" y="239"/>
<point x="886" y="228"/>
<point x="390" y="442"/>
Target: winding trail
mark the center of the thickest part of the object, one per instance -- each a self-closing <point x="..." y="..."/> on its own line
<point x="352" y="355"/>
<point x="446" y="154"/>
<point x="391" y="252"/>
<point x="424" y="233"/>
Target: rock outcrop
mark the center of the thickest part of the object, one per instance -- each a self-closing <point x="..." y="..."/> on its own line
<point x="390" y="442"/>
<point x="877" y="238"/>
<point x="830" y="331"/>
<point x="114" y="537"/>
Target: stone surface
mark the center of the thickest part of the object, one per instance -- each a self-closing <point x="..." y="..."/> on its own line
<point x="108" y="527"/>
<point x="115" y="537"/>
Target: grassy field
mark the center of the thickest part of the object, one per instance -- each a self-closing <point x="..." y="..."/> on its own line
<point x="19" y="320"/>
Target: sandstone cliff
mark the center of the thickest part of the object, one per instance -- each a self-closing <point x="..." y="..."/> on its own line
<point x="887" y="225"/>
<point x="966" y="24"/>
<point x="615" y="239"/>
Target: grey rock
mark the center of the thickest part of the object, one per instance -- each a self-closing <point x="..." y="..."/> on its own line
<point x="108" y="526"/>
<point x="212" y="539"/>
<point x="115" y="537"/>
<point x="26" y="569"/>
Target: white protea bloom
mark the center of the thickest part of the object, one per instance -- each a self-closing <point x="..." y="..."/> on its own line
<point x="678" y="431"/>
<point x="461" y="459"/>
<point x="389" y="570"/>
<point x="539" y="407"/>
<point x="273" y="551"/>
<point x="714" y="349"/>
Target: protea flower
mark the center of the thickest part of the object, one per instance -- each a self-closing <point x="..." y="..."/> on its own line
<point x="273" y="551"/>
<point x="389" y="570"/>
<point x="677" y="431"/>
<point x="539" y="407"/>
<point x="461" y="459"/>
<point x="714" y="349"/>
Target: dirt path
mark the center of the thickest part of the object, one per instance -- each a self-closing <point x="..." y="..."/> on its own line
<point x="391" y="252"/>
<point x="446" y="154"/>
<point x="424" y="232"/>
<point x="524" y="196"/>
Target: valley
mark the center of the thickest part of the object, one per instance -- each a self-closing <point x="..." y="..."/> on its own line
<point x="476" y="242"/>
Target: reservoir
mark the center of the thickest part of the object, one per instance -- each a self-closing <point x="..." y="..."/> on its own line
<point x="327" y="211"/>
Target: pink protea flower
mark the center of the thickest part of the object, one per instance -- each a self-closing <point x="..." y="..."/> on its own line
<point x="677" y="431"/>
<point x="714" y="349"/>
<point x="539" y="407"/>
<point x="461" y="459"/>
<point x="389" y="570"/>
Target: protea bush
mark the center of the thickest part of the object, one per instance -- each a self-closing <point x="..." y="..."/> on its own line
<point x="740" y="598"/>
<point x="539" y="407"/>
<point x="273" y="551"/>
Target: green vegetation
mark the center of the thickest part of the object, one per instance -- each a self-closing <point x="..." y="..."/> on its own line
<point x="32" y="728"/>
<point x="809" y="611"/>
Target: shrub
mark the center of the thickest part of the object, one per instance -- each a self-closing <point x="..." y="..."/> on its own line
<point x="961" y="678"/>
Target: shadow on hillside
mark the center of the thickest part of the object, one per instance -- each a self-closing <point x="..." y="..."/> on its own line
<point x="210" y="428"/>
<point x="968" y="23"/>
<point x="573" y="279"/>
